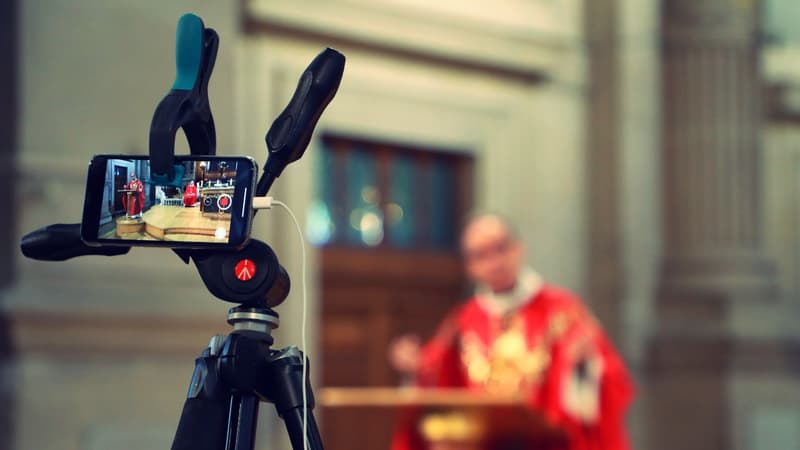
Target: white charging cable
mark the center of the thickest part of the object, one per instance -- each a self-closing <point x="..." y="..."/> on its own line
<point x="266" y="203"/>
<point x="262" y="202"/>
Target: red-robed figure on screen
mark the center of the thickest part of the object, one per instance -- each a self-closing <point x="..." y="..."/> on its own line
<point x="520" y="334"/>
<point x="190" y="194"/>
<point x="137" y="198"/>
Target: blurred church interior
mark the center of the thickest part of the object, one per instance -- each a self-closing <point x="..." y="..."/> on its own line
<point x="648" y="151"/>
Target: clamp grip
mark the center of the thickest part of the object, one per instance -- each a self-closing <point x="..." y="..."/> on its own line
<point x="290" y="133"/>
<point x="186" y="105"/>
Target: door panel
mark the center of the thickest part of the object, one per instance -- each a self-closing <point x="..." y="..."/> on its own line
<point x="386" y="218"/>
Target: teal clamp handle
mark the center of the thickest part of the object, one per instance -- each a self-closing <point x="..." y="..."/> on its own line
<point x="164" y="180"/>
<point x="188" y="51"/>
<point x="186" y="105"/>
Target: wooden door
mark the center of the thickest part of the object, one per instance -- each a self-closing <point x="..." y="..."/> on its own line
<point x="389" y="266"/>
<point x="120" y="180"/>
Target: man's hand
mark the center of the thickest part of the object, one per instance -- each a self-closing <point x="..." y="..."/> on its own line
<point x="404" y="353"/>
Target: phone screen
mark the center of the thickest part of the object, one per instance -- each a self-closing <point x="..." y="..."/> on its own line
<point x="208" y="202"/>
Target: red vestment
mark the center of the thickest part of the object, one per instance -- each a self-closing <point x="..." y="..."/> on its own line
<point x="540" y="349"/>
<point x="190" y="195"/>
<point x="138" y="197"/>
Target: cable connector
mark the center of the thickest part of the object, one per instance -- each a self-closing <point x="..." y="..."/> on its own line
<point x="262" y="202"/>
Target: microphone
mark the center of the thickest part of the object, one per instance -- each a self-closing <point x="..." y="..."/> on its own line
<point x="291" y="131"/>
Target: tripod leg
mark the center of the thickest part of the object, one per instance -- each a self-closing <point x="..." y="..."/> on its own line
<point x="203" y="420"/>
<point x="285" y="368"/>
<point x="242" y="422"/>
<point x="294" y="426"/>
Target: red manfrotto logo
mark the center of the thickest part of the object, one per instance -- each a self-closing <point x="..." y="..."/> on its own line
<point x="245" y="270"/>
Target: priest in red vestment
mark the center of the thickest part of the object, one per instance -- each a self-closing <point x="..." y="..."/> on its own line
<point x="137" y="199"/>
<point x="520" y="334"/>
<point x="190" y="194"/>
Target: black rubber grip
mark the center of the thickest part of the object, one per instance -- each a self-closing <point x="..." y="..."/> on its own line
<point x="60" y="242"/>
<point x="205" y="411"/>
<point x="202" y="425"/>
<point x="291" y="131"/>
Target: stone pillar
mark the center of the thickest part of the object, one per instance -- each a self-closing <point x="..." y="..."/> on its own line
<point x="712" y="120"/>
<point x="712" y="253"/>
<point x="605" y="272"/>
<point x="9" y="86"/>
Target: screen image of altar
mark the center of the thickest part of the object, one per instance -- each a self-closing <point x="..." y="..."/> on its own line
<point x="195" y="207"/>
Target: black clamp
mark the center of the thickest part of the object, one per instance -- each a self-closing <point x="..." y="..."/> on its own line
<point x="186" y="105"/>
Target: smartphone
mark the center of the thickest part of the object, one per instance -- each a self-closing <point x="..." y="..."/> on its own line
<point x="208" y="204"/>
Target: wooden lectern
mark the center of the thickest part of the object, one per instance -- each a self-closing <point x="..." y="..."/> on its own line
<point x="129" y="224"/>
<point x="129" y="212"/>
<point x="447" y="419"/>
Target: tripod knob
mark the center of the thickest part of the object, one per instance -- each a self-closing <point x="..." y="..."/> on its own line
<point x="251" y="276"/>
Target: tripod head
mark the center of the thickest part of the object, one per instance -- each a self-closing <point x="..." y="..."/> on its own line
<point x="251" y="276"/>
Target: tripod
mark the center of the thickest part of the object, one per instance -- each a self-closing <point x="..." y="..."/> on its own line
<point x="234" y="373"/>
<point x="231" y="377"/>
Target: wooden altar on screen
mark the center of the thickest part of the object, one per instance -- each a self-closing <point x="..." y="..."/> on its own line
<point x="447" y="419"/>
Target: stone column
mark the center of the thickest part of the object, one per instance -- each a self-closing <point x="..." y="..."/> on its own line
<point x="9" y="86"/>
<point x="605" y="272"/>
<point x="712" y="120"/>
<point x="712" y="253"/>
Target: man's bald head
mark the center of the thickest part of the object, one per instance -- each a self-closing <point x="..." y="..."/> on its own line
<point x="492" y="251"/>
<point x="486" y="221"/>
